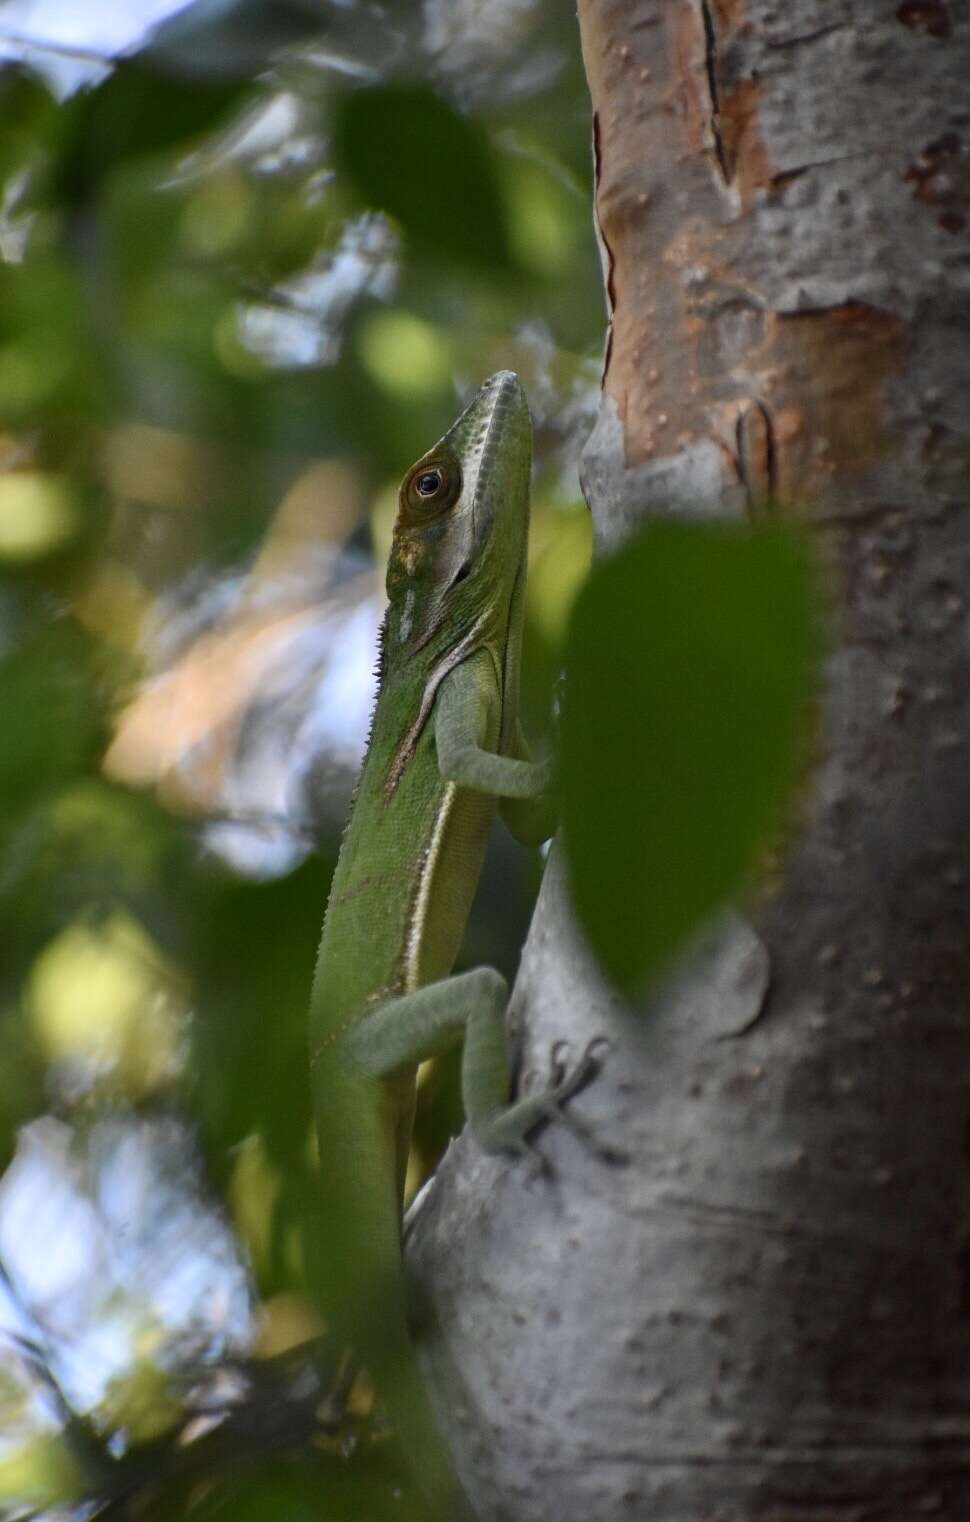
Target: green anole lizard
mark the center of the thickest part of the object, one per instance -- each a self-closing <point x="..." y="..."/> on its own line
<point x="445" y="750"/>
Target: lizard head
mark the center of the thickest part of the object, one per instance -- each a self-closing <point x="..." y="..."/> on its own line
<point x="462" y="526"/>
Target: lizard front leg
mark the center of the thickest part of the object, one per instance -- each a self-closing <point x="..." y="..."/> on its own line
<point x="524" y="788"/>
<point x="412" y="1027"/>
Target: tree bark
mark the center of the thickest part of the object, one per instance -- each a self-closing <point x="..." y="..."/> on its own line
<point x="761" y="1312"/>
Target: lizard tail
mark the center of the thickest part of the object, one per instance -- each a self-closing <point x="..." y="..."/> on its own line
<point x="356" y="1266"/>
<point x="402" y="1389"/>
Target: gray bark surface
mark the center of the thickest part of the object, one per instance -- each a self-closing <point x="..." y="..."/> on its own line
<point x="762" y="1310"/>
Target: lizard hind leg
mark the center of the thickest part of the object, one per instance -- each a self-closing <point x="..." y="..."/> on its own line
<point x="409" y="1028"/>
<point x="547" y="1104"/>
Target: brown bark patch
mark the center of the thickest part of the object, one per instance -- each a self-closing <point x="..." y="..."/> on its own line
<point x="732" y="108"/>
<point x="743" y="145"/>
<point x="692" y="104"/>
<point x="930" y="16"/>
<point x="794" y="402"/>
<point x="824" y="393"/>
<point x="645" y="68"/>
<point x="728" y="14"/>
<point x="940" y="178"/>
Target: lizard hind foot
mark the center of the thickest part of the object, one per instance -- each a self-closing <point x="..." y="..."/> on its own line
<point x="510" y="1129"/>
<point x="565" y="1080"/>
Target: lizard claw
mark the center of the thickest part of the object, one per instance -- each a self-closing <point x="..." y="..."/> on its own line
<point x="565" y="1082"/>
<point x="510" y="1129"/>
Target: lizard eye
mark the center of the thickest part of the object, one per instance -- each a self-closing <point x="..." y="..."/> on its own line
<point x="430" y="490"/>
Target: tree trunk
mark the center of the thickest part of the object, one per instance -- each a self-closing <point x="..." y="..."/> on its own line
<point x="762" y="1312"/>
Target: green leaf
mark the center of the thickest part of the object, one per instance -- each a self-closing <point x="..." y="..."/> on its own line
<point x="690" y="661"/>
<point x="406" y="151"/>
<point x="137" y="112"/>
<point x="28" y="116"/>
<point x="51" y="721"/>
<point x="237" y="39"/>
<point x="47" y="362"/>
<point x="327" y="1488"/>
<point x="253" y="960"/>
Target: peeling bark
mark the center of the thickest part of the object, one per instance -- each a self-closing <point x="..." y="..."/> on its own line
<point x="762" y="1311"/>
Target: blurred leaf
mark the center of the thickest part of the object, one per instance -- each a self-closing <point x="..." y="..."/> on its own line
<point x="560" y="548"/>
<point x="28" y="114"/>
<point x="51" y="723"/>
<point x="24" y="100"/>
<point x="542" y="222"/>
<point x="141" y="1400"/>
<point x="85" y="845"/>
<point x="190" y="314"/>
<point x="22" y="1081"/>
<point x="409" y="153"/>
<point x="47" y="362"/>
<point x="252" y="1194"/>
<point x="689" y="664"/>
<point x="403" y="353"/>
<point x="103" y="996"/>
<point x="214" y="38"/>
<point x="287" y="1321"/>
<point x="333" y="1490"/>
<point x="141" y="220"/>
<point x="38" y="515"/>
<point x="138" y="111"/>
<point x="217" y="215"/>
<point x="254" y="956"/>
<point x="40" y="1472"/>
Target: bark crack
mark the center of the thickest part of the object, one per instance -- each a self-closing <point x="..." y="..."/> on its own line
<point x="757" y="454"/>
<point x="851" y="306"/>
<point x="785" y="176"/>
<point x="806" y="37"/>
<point x="606" y="253"/>
<point x="710" y="61"/>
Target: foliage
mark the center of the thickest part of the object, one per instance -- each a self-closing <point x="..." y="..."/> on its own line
<point x="246" y="273"/>
<point x="224" y="334"/>
<point x="690" y="661"/>
<point x="464" y="221"/>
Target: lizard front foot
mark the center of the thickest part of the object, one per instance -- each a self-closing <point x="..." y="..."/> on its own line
<point x="565" y="1082"/>
<point x="509" y="1130"/>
